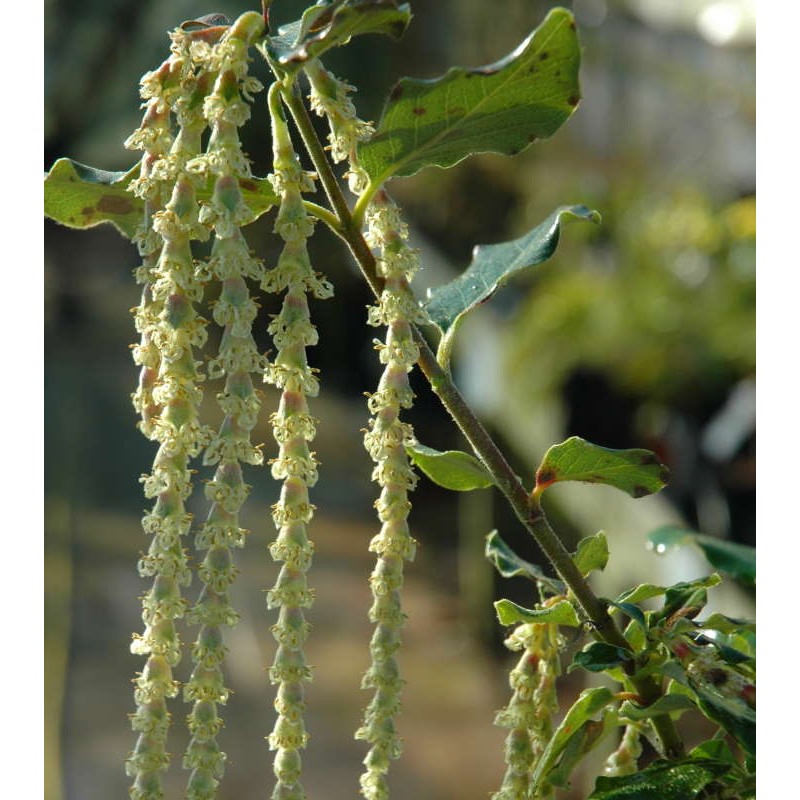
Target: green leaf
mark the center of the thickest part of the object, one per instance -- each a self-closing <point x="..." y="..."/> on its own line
<point x="561" y="613"/>
<point x="499" y="108"/>
<point x="592" y="553"/>
<point x="589" y="703"/>
<point x="493" y="264"/>
<point x="82" y="197"/>
<point x="666" y="704"/>
<point x="452" y="469"/>
<point x="636" y="472"/>
<point x="665" y="780"/>
<point x="732" y="713"/>
<point x="599" y="657"/>
<point x="716" y="749"/>
<point x="644" y="591"/>
<point x="331" y="24"/>
<point x="736" y="560"/>
<point x="686" y="595"/>
<point x="578" y="745"/>
<point x="510" y="565"/>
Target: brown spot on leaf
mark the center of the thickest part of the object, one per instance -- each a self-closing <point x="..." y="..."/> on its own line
<point x="573" y="100"/>
<point x="640" y="491"/>
<point x="248" y="186"/>
<point x="545" y="477"/>
<point x="112" y="204"/>
<point x="544" y="55"/>
<point x="647" y="459"/>
<point x="419" y="111"/>
<point x="532" y="138"/>
<point x="87" y="211"/>
<point x="396" y="92"/>
<point x="572" y="25"/>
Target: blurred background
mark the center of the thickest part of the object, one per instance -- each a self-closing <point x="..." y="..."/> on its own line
<point x="639" y="332"/>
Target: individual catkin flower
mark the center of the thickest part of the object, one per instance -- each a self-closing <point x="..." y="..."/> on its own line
<point x="529" y="713"/>
<point x="234" y="311"/>
<point x="385" y="441"/>
<point x="625" y="759"/>
<point x="293" y="429"/>
<point x="169" y="397"/>
<point x="330" y="97"/>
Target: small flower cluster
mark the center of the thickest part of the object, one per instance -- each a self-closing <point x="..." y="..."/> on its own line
<point x="294" y="429"/>
<point x="625" y="759"/>
<point x="385" y="441"/>
<point x="224" y="110"/>
<point x="168" y="397"/>
<point x="529" y="714"/>
<point x="330" y="97"/>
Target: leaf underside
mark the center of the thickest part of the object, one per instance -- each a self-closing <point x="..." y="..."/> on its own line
<point x="500" y="108"/>
<point x="325" y="26"/>
<point x="493" y="264"/>
<point x="635" y="472"/>
<point x="452" y="469"/>
<point x="510" y="565"/>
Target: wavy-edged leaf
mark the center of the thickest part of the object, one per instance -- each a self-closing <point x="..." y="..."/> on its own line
<point x="500" y="108"/>
<point x="599" y="657"/>
<point x="635" y="472"/>
<point x="732" y="713"/>
<point x="561" y="613"/>
<point x="510" y="565"/>
<point x="736" y="560"/>
<point x="493" y="264"/>
<point x="452" y="469"/>
<point x="592" y="553"/>
<point x="330" y="24"/>
<point x="79" y="196"/>
<point x="588" y="704"/>
<point x="644" y="591"/>
<point x="686" y="595"/>
<point x="666" y="704"/>
<point x="665" y="780"/>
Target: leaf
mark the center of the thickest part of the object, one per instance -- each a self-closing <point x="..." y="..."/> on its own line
<point x="510" y="565"/>
<point x="686" y="595"/>
<point x="633" y="611"/>
<point x="500" y="108"/>
<point x="589" y="702"/>
<point x="644" y="591"/>
<point x="599" y="657"/>
<point x="592" y="553"/>
<point x="736" y="560"/>
<point x="330" y="24"/>
<point x="493" y="264"/>
<point x="636" y="472"/>
<point x="666" y="704"/>
<point x="452" y="469"/>
<point x="561" y="613"/>
<point x="665" y="780"/>
<point x="83" y="197"/>
<point x="578" y="745"/>
<point x="732" y="713"/>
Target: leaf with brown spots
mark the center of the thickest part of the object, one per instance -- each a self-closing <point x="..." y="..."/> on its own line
<point x="81" y="197"/>
<point x="636" y="472"/>
<point x="498" y="108"/>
